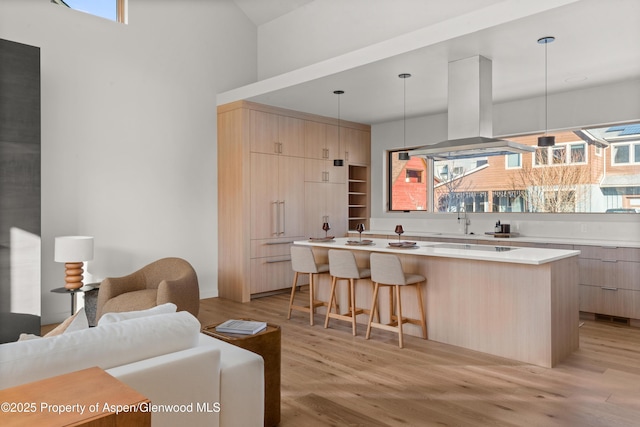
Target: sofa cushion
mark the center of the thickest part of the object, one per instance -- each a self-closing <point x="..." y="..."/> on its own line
<point x="126" y="315"/>
<point x="105" y="346"/>
<point x="75" y="322"/>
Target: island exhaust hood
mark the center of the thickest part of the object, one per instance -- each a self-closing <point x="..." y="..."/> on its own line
<point x="470" y="118"/>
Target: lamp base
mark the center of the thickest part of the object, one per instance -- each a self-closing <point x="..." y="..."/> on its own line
<point x="73" y="275"/>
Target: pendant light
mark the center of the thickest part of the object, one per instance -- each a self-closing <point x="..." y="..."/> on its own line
<point x="403" y="155"/>
<point x="546" y="140"/>
<point x="339" y="161"/>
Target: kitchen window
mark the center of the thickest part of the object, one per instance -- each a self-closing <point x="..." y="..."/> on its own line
<point x="573" y="176"/>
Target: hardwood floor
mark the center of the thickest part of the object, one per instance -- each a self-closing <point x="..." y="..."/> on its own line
<point x="330" y="378"/>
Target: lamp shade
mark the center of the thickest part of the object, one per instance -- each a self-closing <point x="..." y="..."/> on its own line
<point x="73" y="249"/>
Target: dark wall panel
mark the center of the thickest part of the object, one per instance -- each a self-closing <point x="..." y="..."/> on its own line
<point x="19" y="150"/>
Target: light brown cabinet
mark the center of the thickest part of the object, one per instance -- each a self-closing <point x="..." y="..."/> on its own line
<point x="356" y="145"/>
<point x="610" y="280"/>
<point x="276" y="184"/>
<point x="277" y="187"/>
<point x="325" y="202"/>
<point x="276" y="134"/>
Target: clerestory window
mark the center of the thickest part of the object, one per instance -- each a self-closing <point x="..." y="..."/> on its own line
<point x="113" y="10"/>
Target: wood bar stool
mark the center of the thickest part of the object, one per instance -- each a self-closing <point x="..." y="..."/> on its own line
<point x="342" y="266"/>
<point x="386" y="270"/>
<point x="303" y="261"/>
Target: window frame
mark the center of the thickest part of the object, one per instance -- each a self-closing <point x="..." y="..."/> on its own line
<point x="506" y="161"/>
<point x="633" y="146"/>
<point x="566" y="147"/>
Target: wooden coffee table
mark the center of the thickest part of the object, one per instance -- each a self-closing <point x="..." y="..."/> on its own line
<point x="74" y="399"/>
<point x="267" y="344"/>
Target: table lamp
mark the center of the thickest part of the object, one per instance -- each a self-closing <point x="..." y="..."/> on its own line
<point x="73" y="251"/>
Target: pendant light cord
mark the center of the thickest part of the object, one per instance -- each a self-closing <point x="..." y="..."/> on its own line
<point x="404" y="115"/>
<point x="546" y="102"/>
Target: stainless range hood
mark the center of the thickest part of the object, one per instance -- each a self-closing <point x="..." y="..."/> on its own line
<point x="470" y="116"/>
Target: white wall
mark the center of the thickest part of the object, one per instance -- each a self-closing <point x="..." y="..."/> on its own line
<point x="618" y="102"/>
<point x="129" y="129"/>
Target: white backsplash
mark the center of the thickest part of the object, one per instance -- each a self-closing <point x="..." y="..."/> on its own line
<point x="611" y="227"/>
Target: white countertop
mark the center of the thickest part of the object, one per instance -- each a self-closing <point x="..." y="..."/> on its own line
<point x="514" y="239"/>
<point x="495" y="253"/>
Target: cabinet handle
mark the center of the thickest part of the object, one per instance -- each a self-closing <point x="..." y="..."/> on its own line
<point x="282" y="218"/>
<point x="275" y="147"/>
<point x="346" y="155"/>
<point x="276" y="261"/>
<point x="275" y="215"/>
<point x="609" y="260"/>
<point x="287" y="242"/>
<point x="606" y="288"/>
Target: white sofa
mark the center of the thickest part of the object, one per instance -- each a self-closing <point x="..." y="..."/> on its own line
<point x="164" y="357"/>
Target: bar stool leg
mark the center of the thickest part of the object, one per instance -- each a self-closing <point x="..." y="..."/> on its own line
<point x="352" y="302"/>
<point x="423" y="319"/>
<point x="312" y="307"/>
<point x="399" y="316"/>
<point x="374" y="306"/>
<point x="293" y="293"/>
<point x="332" y="297"/>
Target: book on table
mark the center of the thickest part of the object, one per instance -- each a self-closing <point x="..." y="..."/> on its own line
<point x="244" y="327"/>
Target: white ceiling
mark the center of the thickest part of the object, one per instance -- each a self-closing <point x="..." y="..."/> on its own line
<point x="597" y="42"/>
<point x="263" y="11"/>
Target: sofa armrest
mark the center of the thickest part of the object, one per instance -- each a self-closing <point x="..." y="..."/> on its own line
<point x="111" y="287"/>
<point x="183" y="292"/>
<point x="241" y="384"/>
<point x="186" y="381"/>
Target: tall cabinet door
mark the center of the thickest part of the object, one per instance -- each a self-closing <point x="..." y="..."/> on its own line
<point x="325" y="201"/>
<point x="264" y="195"/>
<point x="291" y="196"/>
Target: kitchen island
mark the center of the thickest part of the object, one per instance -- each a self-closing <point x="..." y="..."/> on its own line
<point x="518" y="303"/>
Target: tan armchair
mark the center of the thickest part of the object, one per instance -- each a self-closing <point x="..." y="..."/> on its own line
<point x="166" y="280"/>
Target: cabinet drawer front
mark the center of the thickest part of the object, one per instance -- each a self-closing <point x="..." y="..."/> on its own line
<point x="270" y="274"/>
<point x="613" y="274"/>
<point x="609" y="253"/>
<point x="272" y="247"/>
<point x="621" y="302"/>
<point x="591" y="272"/>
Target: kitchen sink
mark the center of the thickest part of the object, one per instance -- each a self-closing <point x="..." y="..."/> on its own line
<point x="466" y="246"/>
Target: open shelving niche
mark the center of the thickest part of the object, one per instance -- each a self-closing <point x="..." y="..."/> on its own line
<point x="358" y="196"/>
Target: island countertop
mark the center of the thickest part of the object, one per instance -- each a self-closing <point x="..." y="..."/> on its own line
<point x="495" y="253"/>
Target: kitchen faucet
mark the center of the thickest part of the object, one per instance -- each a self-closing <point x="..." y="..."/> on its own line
<point x="466" y="220"/>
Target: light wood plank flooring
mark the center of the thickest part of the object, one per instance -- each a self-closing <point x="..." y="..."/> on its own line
<point x="330" y="378"/>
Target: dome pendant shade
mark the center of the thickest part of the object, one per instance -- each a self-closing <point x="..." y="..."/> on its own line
<point x="546" y="141"/>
